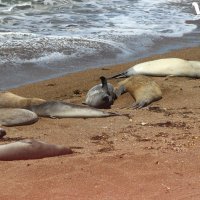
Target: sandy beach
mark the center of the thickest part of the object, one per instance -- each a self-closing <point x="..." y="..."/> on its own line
<point x="155" y="155"/>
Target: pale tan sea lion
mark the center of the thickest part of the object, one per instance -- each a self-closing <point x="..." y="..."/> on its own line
<point x="164" y="67"/>
<point x="142" y="88"/>
<point x="31" y="149"/>
<point x="16" y="116"/>
<point x="10" y="100"/>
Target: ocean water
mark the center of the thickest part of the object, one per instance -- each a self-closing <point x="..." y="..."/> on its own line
<point x="40" y="39"/>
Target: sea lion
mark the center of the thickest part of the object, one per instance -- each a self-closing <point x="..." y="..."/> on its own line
<point x="2" y="133"/>
<point x="57" y="109"/>
<point x="10" y="100"/>
<point x="101" y="96"/>
<point x="164" y="67"/>
<point x="16" y="116"/>
<point x="142" y="88"/>
<point x="31" y="149"/>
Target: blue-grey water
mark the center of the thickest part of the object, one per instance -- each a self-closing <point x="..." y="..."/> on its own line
<point x="40" y="39"/>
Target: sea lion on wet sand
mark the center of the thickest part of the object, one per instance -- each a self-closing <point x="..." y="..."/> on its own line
<point x="16" y="116"/>
<point x="31" y="149"/>
<point x="101" y="96"/>
<point x="57" y="109"/>
<point x="164" y="67"/>
<point x="142" y="88"/>
<point x="10" y="100"/>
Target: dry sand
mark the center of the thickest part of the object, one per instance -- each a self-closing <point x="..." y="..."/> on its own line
<point x="156" y="155"/>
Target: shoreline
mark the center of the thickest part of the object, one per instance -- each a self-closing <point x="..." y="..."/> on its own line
<point x="61" y="81"/>
<point x="35" y="72"/>
<point x="153" y="156"/>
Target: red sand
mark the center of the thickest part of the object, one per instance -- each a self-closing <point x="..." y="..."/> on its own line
<point x="153" y="156"/>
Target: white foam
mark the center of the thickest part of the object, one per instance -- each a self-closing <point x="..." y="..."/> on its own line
<point x="96" y="22"/>
<point x="44" y="59"/>
<point x="121" y="17"/>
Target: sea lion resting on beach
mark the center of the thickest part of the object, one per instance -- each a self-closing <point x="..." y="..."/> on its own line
<point x="54" y="109"/>
<point x="16" y="116"/>
<point x="57" y="109"/>
<point x="142" y="88"/>
<point x="101" y="96"/>
<point x="10" y="100"/>
<point x="31" y="149"/>
<point x="164" y="67"/>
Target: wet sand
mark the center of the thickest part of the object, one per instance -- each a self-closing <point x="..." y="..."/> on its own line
<point x="155" y="155"/>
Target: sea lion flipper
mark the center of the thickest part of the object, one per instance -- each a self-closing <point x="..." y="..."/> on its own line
<point x="120" y="75"/>
<point x="135" y="106"/>
<point x="104" y="84"/>
<point x="141" y="104"/>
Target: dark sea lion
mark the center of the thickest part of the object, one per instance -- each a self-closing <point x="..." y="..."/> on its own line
<point x="16" y="116"/>
<point x="142" y="88"/>
<point x="101" y="96"/>
<point x="57" y="109"/>
<point x="31" y="149"/>
<point x="10" y="100"/>
<point x="164" y="67"/>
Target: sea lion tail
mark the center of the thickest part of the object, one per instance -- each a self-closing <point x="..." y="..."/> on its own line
<point x="120" y="114"/>
<point x="121" y="75"/>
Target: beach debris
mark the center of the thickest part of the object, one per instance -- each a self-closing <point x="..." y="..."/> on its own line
<point x="2" y="133"/>
<point x="50" y="84"/>
<point x="143" y="123"/>
<point x="106" y="149"/>
<point x="103" y="68"/>
<point x="77" y="92"/>
<point x="166" y="124"/>
<point x="156" y="109"/>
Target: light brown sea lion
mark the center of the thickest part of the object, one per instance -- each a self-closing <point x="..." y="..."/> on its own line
<point x="142" y="88"/>
<point x="10" y="100"/>
<point x="16" y="116"/>
<point x="31" y="149"/>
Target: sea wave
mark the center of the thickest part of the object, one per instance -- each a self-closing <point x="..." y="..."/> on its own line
<point x="37" y="48"/>
<point x="70" y="35"/>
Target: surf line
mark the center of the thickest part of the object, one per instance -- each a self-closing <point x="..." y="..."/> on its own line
<point x="196" y="7"/>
